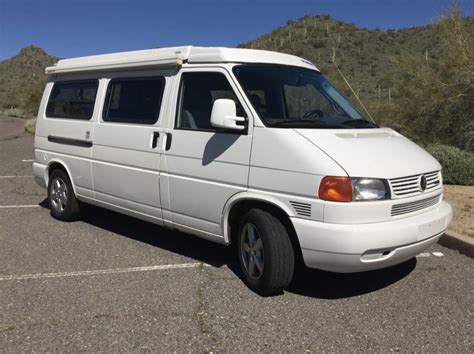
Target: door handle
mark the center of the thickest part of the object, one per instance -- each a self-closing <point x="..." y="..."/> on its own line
<point x="168" y="141"/>
<point x="154" y="141"/>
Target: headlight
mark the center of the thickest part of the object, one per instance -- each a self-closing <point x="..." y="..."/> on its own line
<point x="369" y="189"/>
<point x="345" y="189"/>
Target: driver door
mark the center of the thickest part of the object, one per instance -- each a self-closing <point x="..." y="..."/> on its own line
<point x="205" y="165"/>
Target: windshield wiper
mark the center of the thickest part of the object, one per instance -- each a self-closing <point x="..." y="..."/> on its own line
<point x="359" y="122"/>
<point x="307" y="123"/>
<point x="298" y="121"/>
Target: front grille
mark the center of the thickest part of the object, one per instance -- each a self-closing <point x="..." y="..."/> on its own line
<point x="405" y="208"/>
<point x="302" y="209"/>
<point x="408" y="186"/>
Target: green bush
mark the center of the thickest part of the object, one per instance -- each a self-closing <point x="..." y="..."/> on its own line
<point x="30" y="126"/>
<point x="15" y="112"/>
<point x="458" y="165"/>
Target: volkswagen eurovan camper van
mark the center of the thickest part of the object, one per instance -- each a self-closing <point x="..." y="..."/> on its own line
<point x="245" y="147"/>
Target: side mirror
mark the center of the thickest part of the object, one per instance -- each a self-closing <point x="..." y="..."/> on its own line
<point x="224" y="115"/>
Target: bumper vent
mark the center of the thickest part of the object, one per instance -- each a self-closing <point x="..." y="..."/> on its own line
<point x="413" y="185"/>
<point x="302" y="209"/>
<point x="405" y="208"/>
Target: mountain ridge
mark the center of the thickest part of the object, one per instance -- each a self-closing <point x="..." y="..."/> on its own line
<point x="364" y="56"/>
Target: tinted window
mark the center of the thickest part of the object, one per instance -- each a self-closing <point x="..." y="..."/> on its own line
<point x="198" y="92"/>
<point x="136" y="100"/>
<point x="72" y="100"/>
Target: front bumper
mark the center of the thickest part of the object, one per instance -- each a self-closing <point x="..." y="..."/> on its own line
<point x="348" y="248"/>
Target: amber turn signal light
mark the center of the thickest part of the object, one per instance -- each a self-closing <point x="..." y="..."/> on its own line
<point x="336" y="189"/>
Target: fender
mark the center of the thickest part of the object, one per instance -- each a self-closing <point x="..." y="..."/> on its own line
<point x="63" y="164"/>
<point x="249" y="195"/>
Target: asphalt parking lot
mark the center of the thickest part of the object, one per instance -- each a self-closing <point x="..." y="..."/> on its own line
<point x="113" y="283"/>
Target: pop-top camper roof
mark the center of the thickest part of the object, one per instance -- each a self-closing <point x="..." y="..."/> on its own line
<point x="173" y="57"/>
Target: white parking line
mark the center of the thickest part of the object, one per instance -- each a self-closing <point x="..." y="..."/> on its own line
<point x="27" y="160"/>
<point x="17" y="176"/>
<point x="99" y="272"/>
<point x="20" y="206"/>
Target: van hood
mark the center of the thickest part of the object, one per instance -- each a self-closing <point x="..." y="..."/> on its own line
<point x="378" y="153"/>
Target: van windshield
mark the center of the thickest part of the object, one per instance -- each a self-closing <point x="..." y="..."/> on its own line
<point x="290" y="97"/>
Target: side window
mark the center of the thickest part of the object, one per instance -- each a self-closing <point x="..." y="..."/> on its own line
<point x="197" y="94"/>
<point x="72" y="99"/>
<point x="134" y="100"/>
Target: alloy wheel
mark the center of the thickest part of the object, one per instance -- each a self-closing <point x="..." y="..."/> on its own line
<point x="252" y="251"/>
<point x="59" y="195"/>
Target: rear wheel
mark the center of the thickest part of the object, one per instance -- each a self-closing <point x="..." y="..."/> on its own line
<point x="62" y="201"/>
<point x="265" y="253"/>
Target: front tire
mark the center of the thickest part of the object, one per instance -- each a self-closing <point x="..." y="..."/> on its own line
<point x="62" y="202"/>
<point x="265" y="253"/>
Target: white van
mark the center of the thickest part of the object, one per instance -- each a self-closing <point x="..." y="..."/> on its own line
<point x="238" y="146"/>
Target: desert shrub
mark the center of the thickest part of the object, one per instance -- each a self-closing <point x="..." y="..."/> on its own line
<point x="33" y="98"/>
<point x="435" y="97"/>
<point x="30" y="126"/>
<point x="458" y="165"/>
<point x="15" y="112"/>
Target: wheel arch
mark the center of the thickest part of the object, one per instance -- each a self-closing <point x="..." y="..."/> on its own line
<point x="242" y="202"/>
<point x="54" y="164"/>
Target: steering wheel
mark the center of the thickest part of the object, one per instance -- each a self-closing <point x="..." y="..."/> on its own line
<point x="314" y="112"/>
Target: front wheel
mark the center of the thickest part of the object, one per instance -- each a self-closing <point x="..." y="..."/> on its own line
<point x="265" y="252"/>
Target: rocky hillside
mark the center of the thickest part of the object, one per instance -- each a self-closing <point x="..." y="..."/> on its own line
<point x="22" y="78"/>
<point x="367" y="58"/>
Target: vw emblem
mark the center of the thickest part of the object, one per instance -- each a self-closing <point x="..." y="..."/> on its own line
<point x="422" y="183"/>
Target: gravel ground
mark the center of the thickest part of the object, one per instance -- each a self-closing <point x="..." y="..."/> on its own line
<point x="461" y="199"/>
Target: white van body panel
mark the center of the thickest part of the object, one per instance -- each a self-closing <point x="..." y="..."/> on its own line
<point x="239" y="55"/>
<point x="126" y="170"/>
<point x="286" y="150"/>
<point x="193" y="179"/>
<point x="377" y="153"/>
<point x="287" y="167"/>
<point x="198" y="174"/>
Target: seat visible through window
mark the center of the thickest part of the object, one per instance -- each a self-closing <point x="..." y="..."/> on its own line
<point x="197" y="95"/>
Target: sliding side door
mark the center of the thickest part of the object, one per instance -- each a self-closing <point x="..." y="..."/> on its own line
<point x="127" y="150"/>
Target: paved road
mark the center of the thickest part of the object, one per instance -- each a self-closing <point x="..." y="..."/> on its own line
<point x="112" y="283"/>
<point x="11" y="127"/>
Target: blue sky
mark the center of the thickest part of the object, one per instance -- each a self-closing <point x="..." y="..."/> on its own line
<point x="68" y="28"/>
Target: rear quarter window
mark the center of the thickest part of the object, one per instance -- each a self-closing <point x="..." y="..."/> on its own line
<point x="72" y="99"/>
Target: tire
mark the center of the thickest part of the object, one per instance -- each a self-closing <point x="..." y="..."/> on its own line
<point x="62" y="200"/>
<point x="267" y="265"/>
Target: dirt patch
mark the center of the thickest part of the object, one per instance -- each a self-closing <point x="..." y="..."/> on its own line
<point x="461" y="199"/>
